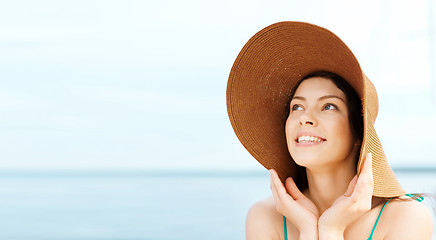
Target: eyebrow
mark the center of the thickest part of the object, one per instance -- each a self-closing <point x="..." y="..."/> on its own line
<point x="319" y="99"/>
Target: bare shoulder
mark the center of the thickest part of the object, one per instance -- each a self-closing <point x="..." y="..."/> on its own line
<point x="263" y="220"/>
<point x="408" y="220"/>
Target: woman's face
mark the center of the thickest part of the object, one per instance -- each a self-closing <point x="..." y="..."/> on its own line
<point x="317" y="130"/>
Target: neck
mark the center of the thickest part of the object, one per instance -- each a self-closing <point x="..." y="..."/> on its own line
<point x="328" y="183"/>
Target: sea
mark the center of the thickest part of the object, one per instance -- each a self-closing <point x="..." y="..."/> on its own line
<point x="140" y="205"/>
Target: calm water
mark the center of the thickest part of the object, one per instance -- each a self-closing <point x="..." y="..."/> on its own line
<point x="138" y="205"/>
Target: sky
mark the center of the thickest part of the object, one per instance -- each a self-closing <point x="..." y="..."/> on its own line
<point x="141" y="84"/>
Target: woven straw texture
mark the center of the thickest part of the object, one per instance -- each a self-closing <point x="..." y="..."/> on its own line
<point x="259" y="86"/>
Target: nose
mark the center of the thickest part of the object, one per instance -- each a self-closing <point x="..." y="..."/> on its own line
<point x="307" y="122"/>
<point x="308" y="119"/>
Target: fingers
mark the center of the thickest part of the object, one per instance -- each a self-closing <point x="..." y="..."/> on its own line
<point x="293" y="189"/>
<point x="279" y="191"/>
<point x="283" y="199"/>
<point x="302" y="215"/>
<point x="276" y="185"/>
<point x="351" y="186"/>
<point x="365" y="182"/>
<point x="367" y="166"/>
<point x="273" y="185"/>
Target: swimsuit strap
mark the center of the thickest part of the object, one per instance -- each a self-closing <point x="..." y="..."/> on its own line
<point x="370" y="236"/>
<point x="286" y="229"/>
<point x="378" y="218"/>
<point x="416" y="197"/>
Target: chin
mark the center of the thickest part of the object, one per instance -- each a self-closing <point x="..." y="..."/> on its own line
<point x="305" y="160"/>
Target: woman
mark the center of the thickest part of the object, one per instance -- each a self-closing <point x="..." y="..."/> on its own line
<point x="299" y="102"/>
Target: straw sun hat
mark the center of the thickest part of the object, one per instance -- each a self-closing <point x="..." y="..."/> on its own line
<point x="258" y="90"/>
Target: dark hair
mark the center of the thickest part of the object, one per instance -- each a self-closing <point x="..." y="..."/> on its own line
<point x="355" y="119"/>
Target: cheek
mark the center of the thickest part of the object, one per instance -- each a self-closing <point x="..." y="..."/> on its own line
<point x="341" y="131"/>
<point x="291" y="126"/>
<point x="289" y="129"/>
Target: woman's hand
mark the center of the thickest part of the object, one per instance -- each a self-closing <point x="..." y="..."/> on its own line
<point x="354" y="203"/>
<point x="295" y="206"/>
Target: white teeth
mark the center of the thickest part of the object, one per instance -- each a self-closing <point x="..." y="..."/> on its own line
<point x="308" y="139"/>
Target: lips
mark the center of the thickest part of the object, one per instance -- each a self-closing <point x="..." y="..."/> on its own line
<point x="309" y="138"/>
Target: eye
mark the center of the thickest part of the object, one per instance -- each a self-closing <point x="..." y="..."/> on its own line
<point x="330" y="106"/>
<point x="296" y="107"/>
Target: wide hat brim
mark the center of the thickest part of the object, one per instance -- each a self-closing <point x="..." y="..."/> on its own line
<point x="259" y="86"/>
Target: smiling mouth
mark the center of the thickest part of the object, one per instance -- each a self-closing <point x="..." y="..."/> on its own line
<point x="308" y="139"/>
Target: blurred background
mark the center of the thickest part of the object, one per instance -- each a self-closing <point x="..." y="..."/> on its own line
<point x="113" y="113"/>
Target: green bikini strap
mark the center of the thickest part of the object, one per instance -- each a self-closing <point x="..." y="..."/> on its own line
<point x="416" y="197"/>
<point x="378" y="218"/>
<point x="286" y="229"/>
